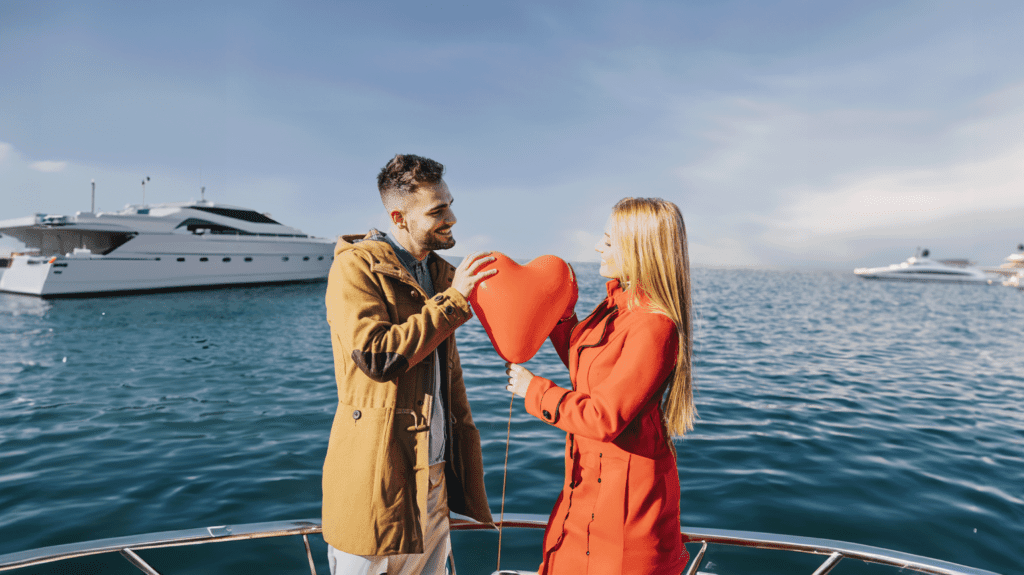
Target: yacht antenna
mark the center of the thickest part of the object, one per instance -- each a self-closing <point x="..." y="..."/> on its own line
<point x="202" y="193"/>
<point x="146" y="179"/>
<point x="93" y="208"/>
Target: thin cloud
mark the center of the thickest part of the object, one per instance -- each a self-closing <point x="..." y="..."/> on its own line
<point x="904" y="197"/>
<point x="48" y="166"/>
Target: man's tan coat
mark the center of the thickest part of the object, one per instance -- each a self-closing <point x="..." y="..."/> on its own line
<point x="383" y="332"/>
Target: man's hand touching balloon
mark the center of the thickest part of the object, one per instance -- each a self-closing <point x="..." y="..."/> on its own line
<point x="466" y="276"/>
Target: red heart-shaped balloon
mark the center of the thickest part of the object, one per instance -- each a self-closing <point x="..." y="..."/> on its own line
<point x="520" y="305"/>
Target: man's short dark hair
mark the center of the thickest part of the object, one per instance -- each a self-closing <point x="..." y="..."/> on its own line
<point x="404" y="174"/>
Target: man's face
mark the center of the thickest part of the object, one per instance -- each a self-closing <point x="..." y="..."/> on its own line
<point x="429" y="218"/>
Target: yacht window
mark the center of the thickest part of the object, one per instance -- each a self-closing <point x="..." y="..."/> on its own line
<point x="321" y="258"/>
<point x="245" y="215"/>
<point x="181" y="259"/>
<point x="227" y="259"/>
<point x="248" y="259"/>
<point x="204" y="259"/>
<point x="197" y="226"/>
<point x="157" y="259"/>
<point x="305" y="258"/>
<point x="284" y="259"/>
<point x="941" y="272"/>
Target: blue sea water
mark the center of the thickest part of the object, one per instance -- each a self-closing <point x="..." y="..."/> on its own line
<point x="884" y="414"/>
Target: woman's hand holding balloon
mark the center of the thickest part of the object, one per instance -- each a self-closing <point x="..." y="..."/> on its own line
<point x="518" y="379"/>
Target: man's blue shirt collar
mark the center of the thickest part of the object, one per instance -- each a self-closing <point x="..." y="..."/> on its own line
<point x="419" y="269"/>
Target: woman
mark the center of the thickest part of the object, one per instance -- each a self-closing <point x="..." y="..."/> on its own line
<point x="629" y="363"/>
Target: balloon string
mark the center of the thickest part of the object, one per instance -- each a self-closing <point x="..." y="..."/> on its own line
<point x="504" y="478"/>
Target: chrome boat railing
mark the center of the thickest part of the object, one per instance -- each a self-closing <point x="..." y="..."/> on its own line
<point x="835" y="551"/>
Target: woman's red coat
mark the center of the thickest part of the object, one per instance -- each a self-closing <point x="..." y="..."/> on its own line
<point x="618" y="512"/>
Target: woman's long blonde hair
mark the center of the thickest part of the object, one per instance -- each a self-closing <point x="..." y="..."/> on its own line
<point x="652" y="244"/>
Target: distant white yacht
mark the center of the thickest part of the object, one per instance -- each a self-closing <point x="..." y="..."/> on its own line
<point x="1012" y="269"/>
<point x="920" y="268"/>
<point x="1012" y="265"/>
<point x="161" y="247"/>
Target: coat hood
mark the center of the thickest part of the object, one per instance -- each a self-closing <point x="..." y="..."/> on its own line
<point x="350" y="241"/>
<point x="374" y="243"/>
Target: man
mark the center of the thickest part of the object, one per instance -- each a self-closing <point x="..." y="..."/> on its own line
<point x="403" y="447"/>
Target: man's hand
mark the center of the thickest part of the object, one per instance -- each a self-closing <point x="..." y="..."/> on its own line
<point x="466" y="277"/>
<point x="518" y="379"/>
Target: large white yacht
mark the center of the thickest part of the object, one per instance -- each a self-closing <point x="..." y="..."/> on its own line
<point x="159" y="247"/>
<point x="920" y="268"/>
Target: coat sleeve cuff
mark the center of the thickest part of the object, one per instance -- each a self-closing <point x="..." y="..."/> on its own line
<point x="544" y="399"/>
<point x="455" y="307"/>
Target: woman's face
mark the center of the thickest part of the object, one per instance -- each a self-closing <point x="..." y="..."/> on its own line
<point x="608" y="247"/>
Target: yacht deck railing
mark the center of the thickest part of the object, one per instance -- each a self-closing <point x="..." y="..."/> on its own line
<point x="835" y="551"/>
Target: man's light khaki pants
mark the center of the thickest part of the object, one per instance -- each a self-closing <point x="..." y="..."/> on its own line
<point x="436" y="546"/>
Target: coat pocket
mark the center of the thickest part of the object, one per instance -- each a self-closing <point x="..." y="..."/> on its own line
<point x="352" y="473"/>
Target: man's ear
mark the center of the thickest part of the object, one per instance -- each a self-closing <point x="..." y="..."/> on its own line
<point x="398" y="219"/>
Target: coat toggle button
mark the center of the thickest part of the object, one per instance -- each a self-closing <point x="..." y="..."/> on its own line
<point x="357" y="414"/>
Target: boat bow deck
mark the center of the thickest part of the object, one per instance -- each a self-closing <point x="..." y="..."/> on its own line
<point x="128" y="546"/>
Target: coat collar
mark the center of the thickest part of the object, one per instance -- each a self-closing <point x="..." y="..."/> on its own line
<point x="620" y="297"/>
<point x="386" y="260"/>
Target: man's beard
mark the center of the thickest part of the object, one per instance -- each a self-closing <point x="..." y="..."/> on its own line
<point x="435" y="242"/>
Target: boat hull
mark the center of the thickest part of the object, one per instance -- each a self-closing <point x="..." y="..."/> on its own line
<point x="221" y="264"/>
<point x="925" y="278"/>
<point x="922" y="269"/>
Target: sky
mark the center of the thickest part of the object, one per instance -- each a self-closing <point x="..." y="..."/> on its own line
<point x="792" y="134"/>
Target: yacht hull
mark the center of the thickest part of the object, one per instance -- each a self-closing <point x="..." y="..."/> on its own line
<point x="925" y="278"/>
<point x="70" y="276"/>
<point x="923" y="270"/>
